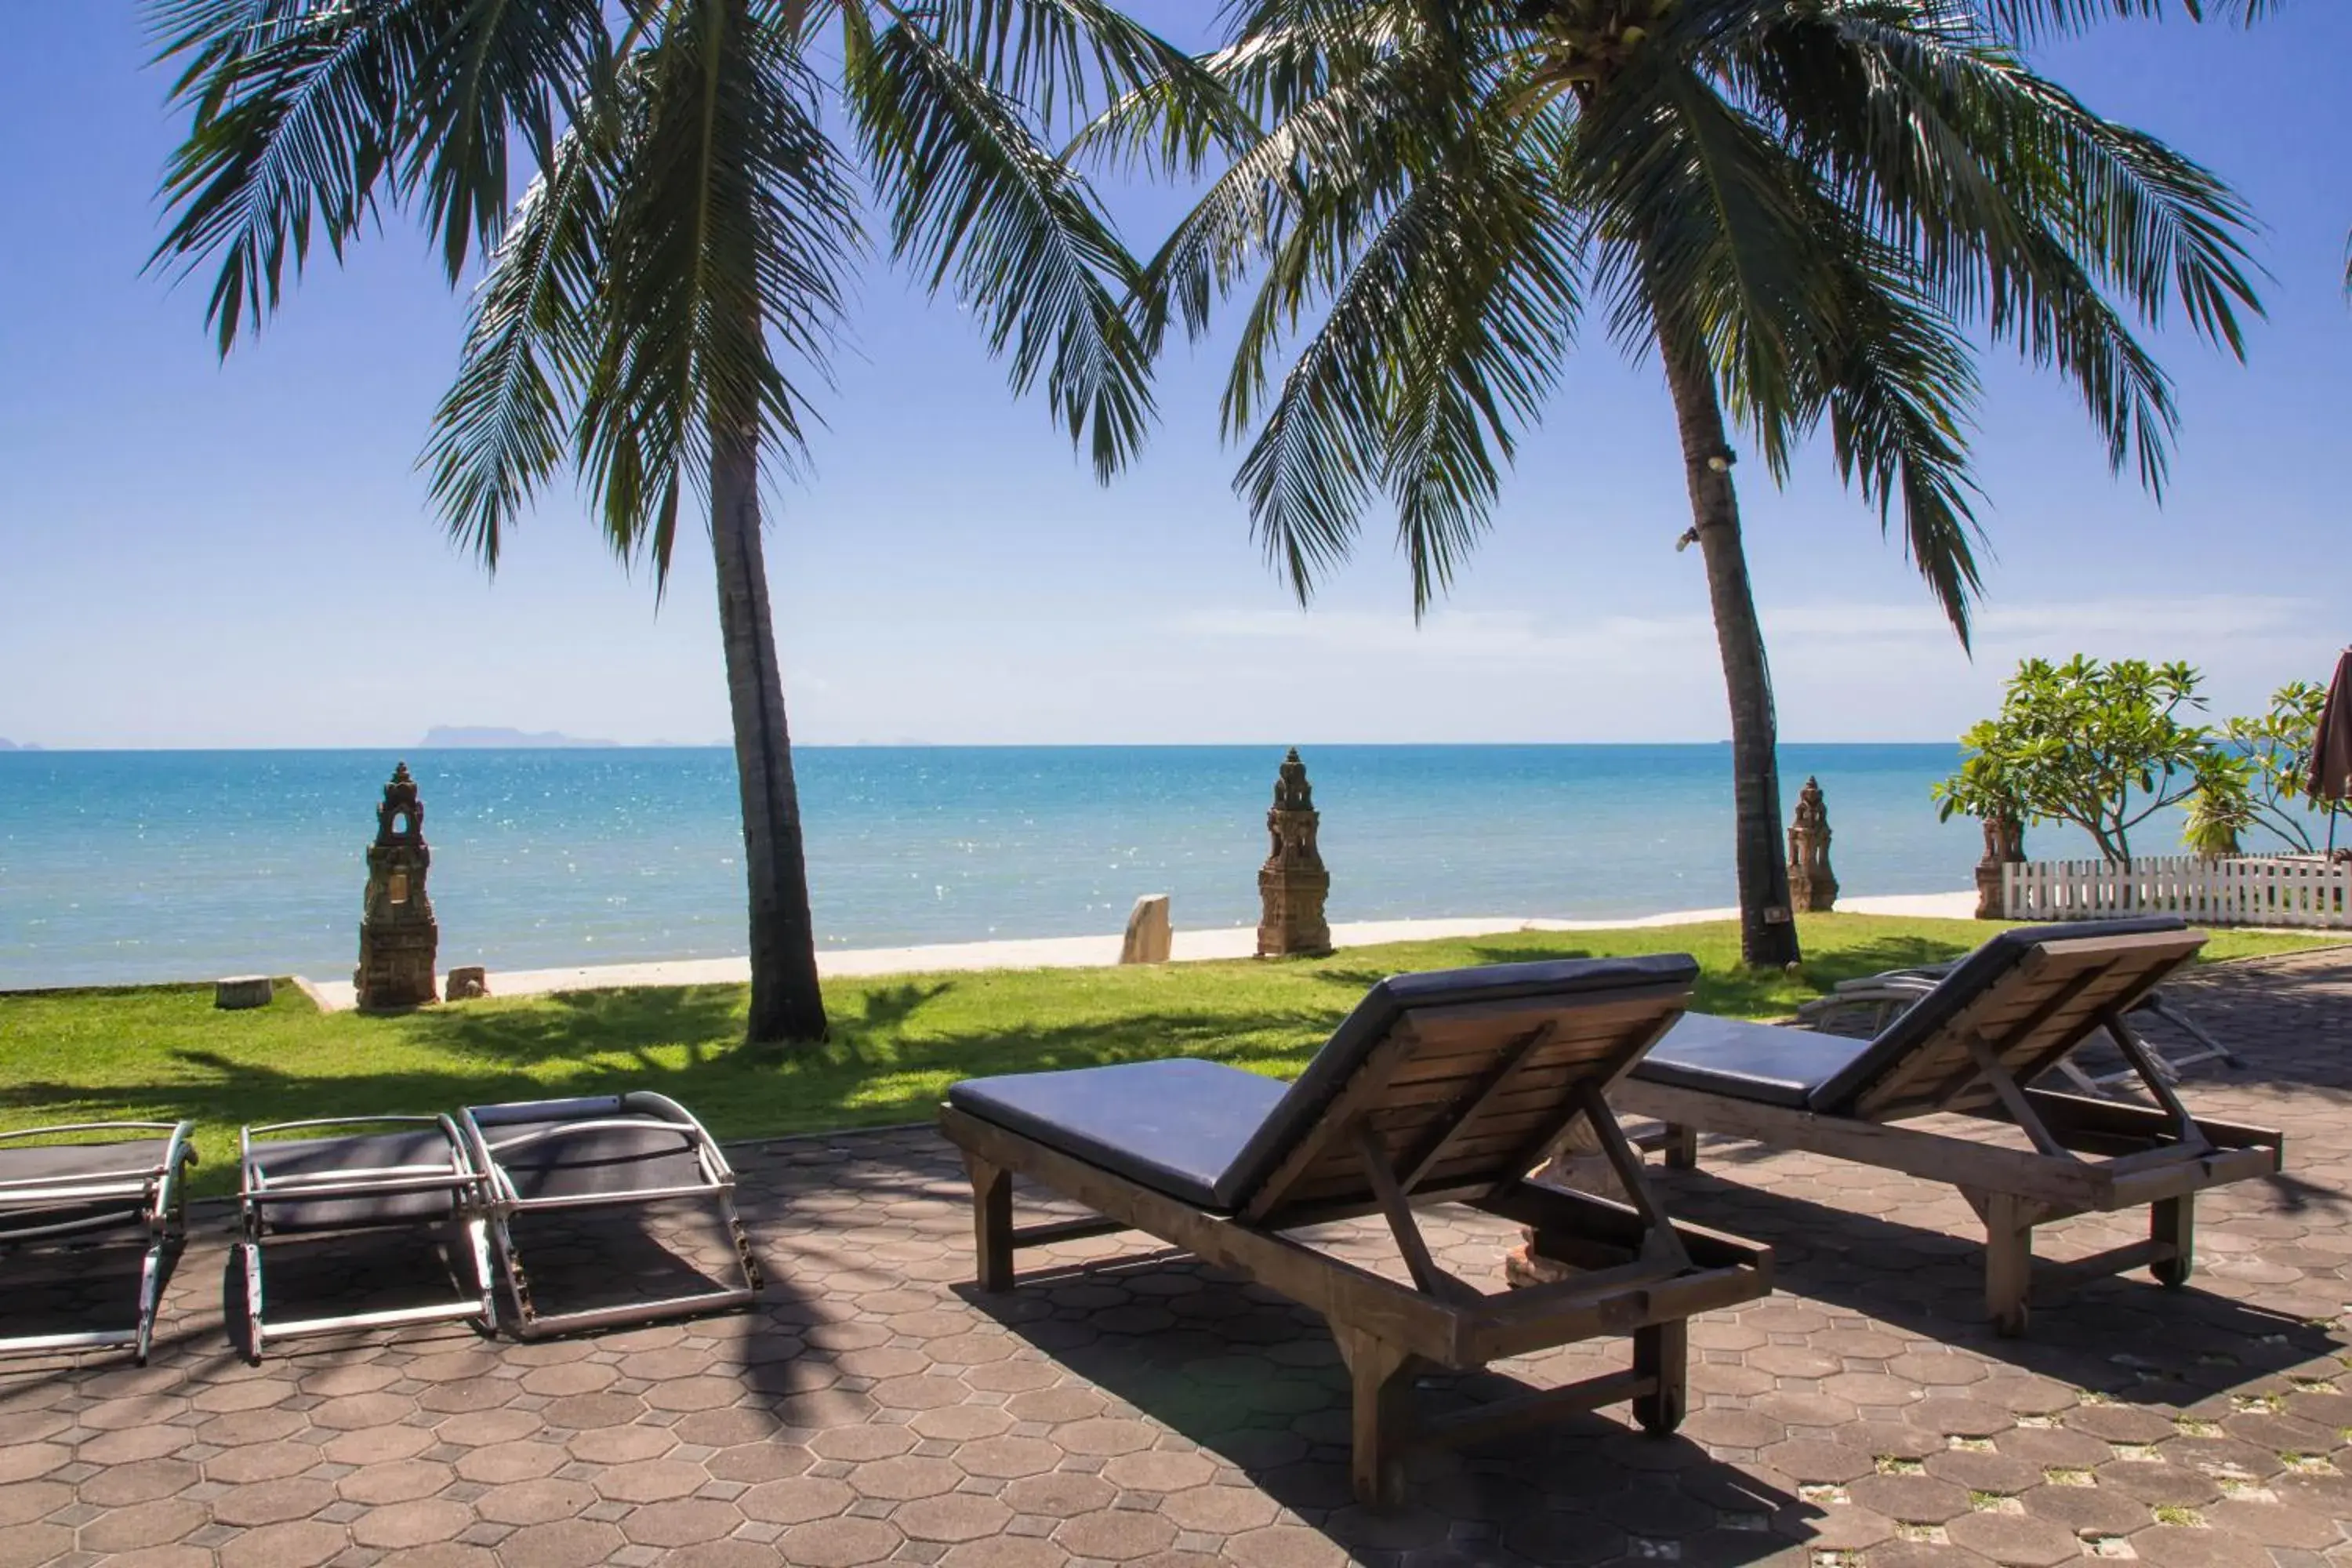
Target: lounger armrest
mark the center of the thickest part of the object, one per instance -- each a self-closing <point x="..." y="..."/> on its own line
<point x="259" y="1186"/>
<point x="679" y="1113"/>
<point x="545" y="1110"/>
<point x="178" y="1129"/>
<point x="308" y="1122"/>
<point x="310" y="1188"/>
<point x="688" y="1136"/>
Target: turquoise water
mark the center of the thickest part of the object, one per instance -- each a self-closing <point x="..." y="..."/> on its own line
<point x="125" y="866"/>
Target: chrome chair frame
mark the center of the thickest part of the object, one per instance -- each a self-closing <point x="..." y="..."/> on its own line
<point x="638" y="1110"/>
<point x="153" y="1199"/>
<point x="461" y="1178"/>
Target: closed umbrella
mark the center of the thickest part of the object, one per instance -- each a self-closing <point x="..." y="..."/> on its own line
<point x="2331" y="747"/>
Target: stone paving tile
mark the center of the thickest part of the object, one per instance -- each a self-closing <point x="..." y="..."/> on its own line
<point x="1133" y="1407"/>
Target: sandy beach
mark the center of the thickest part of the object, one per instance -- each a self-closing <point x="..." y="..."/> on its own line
<point x="1093" y="951"/>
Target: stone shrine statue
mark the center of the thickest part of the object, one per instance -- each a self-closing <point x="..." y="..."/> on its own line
<point x="2004" y="846"/>
<point x="398" y="936"/>
<point x="1293" y="884"/>
<point x="1812" y="886"/>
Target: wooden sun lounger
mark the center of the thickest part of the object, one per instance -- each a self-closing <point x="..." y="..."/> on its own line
<point x="2008" y="1012"/>
<point x="402" y="1172"/>
<point x="1866" y="1005"/>
<point x="1444" y="1088"/>
<point x="58" y="1188"/>
<point x="604" y="1151"/>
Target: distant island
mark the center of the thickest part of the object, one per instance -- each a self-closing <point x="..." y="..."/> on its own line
<point x="8" y="745"/>
<point x="481" y="737"/>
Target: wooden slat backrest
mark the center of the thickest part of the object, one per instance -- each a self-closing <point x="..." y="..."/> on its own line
<point x="2031" y="1016"/>
<point x="1472" y="1092"/>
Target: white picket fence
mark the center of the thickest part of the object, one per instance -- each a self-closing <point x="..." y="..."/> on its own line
<point x="2252" y="890"/>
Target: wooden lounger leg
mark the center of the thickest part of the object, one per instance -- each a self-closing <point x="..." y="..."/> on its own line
<point x="992" y="1223"/>
<point x="2172" y="1222"/>
<point x="1662" y="1351"/>
<point x="1681" y="1148"/>
<point x="2009" y="1261"/>
<point x="1377" y="1369"/>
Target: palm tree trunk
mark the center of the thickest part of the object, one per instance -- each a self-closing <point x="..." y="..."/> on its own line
<point x="785" y="1002"/>
<point x="1768" y="931"/>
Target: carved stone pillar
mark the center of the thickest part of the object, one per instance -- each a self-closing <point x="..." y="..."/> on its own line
<point x="2004" y="844"/>
<point x="398" y="936"/>
<point x="1812" y="886"/>
<point x="1293" y="884"/>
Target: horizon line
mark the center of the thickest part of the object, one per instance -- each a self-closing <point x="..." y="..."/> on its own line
<point x="37" y="750"/>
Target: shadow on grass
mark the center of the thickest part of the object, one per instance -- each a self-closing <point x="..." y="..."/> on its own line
<point x="882" y="1066"/>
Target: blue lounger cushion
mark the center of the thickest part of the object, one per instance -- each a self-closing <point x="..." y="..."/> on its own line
<point x="1829" y="1074"/>
<point x="1211" y="1134"/>
<point x="1176" y="1126"/>
<point x="1763" y="1062"/>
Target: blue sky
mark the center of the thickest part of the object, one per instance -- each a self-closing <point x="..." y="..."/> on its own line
<point x="194" y="553"/>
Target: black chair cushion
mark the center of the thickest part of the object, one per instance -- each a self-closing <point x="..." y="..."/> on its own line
<point x="362" y="1152"/>
<point x="1762" y="1062"/>
<point x="1211" y="1134"/>
<point x="68" y="1165"/>
<point x="1837" y="1094"/>
<point x="606" y="1163"/>
<point x="130" y="1160"/>
<point x="1176" y="1126"/>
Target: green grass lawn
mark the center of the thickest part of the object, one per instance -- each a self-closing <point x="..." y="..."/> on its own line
<point x="161" y="1052"/>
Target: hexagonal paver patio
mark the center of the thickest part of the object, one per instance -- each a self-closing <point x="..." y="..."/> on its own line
<point x="1152" y="1411"/>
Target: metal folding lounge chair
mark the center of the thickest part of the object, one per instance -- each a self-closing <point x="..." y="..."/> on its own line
<point x="2002" y="1016"/>
<point x="1866" y="1005"/>
<point x="404" y="1173"/>
<point x="1441" y="1088"/>
<point x="54" y="1188"/>
<point x="607" y="1152"/>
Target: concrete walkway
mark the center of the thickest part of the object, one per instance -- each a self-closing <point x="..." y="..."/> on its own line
<point x="1093" y="951"/>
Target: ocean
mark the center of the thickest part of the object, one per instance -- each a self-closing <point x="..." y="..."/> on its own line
<point x="129" y="867"/>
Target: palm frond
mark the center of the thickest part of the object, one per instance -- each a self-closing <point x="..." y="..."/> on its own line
<point x="1707" y="242"/>
<point x="977" y="199"/>
<point x="1053" y="56"/>
<point x="501" y="69"/>
<point x="1442" y="337"/>
<point x="295" y="113"/>
<point x="1485" y="341"/>
<point x="1340" y="152"/>
<point x="1898" y="387"/>
<point x="731" y="220"/>
<point x="2017" y="204"/>
<point x="2038" y="19"/>
<point x="501" y="428"/>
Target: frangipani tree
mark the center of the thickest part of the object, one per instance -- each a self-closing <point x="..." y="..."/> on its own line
<point x="659" y="300"/>
<point x="2103" y="745"/>
<point x="1809" y="214"/>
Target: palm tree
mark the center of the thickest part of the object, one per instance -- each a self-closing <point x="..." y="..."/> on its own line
<point x="657" y="305"/>
<point x="1807" y="210"/>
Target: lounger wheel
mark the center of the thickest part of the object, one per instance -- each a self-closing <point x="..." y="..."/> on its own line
<point x="2172" y="1273"/>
